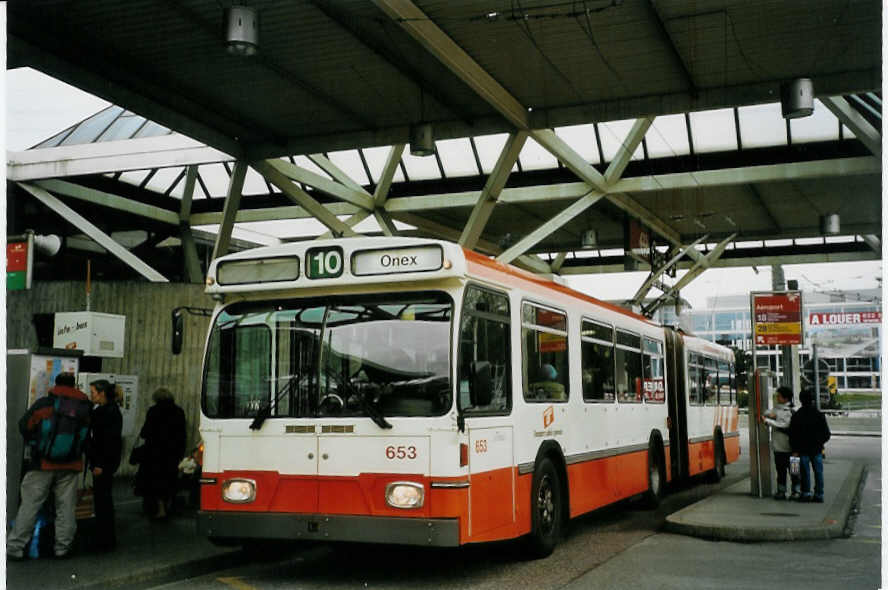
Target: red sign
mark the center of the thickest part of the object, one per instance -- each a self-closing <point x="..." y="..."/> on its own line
<point x="654" y="389"/>
<point x="777" y="318"/>
<point x="16" y="256"/>
<point x="845" y="319"/>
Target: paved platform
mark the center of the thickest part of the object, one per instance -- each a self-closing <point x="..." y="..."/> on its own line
<point x="733" y="514"/>
<point x="148" y="552"/>
<point x="154" y="552"/>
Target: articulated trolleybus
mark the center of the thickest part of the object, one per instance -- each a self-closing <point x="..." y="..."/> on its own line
<point x="410" y="391"/>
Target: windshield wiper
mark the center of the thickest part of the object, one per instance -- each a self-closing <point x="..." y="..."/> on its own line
<point x="264" y="411"/>
<point x="369" y="408"/>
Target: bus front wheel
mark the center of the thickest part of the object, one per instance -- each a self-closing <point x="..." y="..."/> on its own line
<point x="545" y="509"/>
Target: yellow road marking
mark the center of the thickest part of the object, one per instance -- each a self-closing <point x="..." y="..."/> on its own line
<point x="236" y="583"/>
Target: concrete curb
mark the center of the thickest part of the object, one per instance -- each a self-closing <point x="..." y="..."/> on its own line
<point x="173" y="572"/>
<point x="831" y="527"/>
<point x="858" y="433"/>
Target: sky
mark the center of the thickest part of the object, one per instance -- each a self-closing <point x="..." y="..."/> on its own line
<point x="38" y="107"/>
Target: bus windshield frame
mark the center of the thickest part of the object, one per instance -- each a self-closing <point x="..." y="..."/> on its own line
<point x="373" y="355"/>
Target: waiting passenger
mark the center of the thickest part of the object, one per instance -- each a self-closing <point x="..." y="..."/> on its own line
<point x="548" y="387"/>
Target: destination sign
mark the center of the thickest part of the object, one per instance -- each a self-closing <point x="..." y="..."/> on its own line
<point x="397" y="260"/>
<point x="777" y="318"/>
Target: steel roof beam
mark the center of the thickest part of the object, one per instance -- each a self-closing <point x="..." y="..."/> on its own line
<point x="672" y="49"/>
<point x="438" y="43"/>
<point x="486" y="202"/>
<point x="270" y="169"/>
<point x="549" y="227"/>
<point x="361" y="198"/>
<point x="865" y="132"/>
<point x="232" y="204"/>
<point x="109" y="200"/>
<point x="93" y="232"/>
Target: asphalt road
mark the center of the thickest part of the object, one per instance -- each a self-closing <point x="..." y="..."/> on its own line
<point x="619" y="547"/>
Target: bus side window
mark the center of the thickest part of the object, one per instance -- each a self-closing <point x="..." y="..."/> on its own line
<point x="597" y="362"/>
<point x="694" y="371"/>
<point x="484" y="337"/>
<point x="544" y="354"/>
<point x="628" y="359"/>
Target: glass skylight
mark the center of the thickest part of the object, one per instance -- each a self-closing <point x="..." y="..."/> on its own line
<point x="820" y="126"/>
<point x="216" y="179"/>
<point x="350" y="162"/>
<point x="457" y="157"/>
<point x="489" y="148"/>
<point x="582" y="139"/>
<point x="713" y="131"/>
<point x="535" y="157"/>
<point x="420" y="167"/>
<point x="376" y="158"/>
<point x="90" y="129"/>
<point x="613" y="134"/>
<point x="667" y="137"/>
<point x="254" y="184"/>
<point x="762" y="125"/>
<point x="163" y="178"/>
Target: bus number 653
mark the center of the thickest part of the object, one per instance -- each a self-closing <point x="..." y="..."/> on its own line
<point x="400" y="452"/>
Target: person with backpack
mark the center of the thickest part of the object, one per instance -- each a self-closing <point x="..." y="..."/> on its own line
<point x="103" y="455"/>
<point x="778" y="419"/>
<point x="55" y="428"/>
<point x="808" y="432"/>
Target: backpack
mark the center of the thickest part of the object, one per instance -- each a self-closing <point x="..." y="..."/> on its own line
<point x="63" y="434"/>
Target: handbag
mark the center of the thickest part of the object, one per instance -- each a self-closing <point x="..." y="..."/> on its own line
<point x="137" y="455"/>
<point x="86" y="502"/>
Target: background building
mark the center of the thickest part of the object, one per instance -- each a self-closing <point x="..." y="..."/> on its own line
<point x="845" y="325"/>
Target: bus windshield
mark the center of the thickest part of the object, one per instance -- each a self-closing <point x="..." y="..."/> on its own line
<point x="368" y="355"/>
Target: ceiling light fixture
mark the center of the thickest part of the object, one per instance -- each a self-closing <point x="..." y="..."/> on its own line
<point x="797" y="98"/>
<point x="242" y="30"/>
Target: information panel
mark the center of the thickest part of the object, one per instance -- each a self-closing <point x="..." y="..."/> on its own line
<point x="777" y="318"/>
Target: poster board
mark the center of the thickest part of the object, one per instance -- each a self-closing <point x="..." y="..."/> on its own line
<point x="127" y="395"/>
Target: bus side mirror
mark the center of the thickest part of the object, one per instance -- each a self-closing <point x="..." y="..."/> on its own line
<point x="481" y="384"/>
<point x="178" y="325"/>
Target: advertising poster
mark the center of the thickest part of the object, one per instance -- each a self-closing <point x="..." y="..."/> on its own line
<point x="845" y="334"/>
<point x="43" y="373"/>
<point x="127" y="395"/>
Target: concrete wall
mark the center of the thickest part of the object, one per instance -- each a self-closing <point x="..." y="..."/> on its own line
<point x="147" y="308"/>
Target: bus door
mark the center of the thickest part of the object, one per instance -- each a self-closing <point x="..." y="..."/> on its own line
<point x="491" y="476"/>
<point x="678" y="426"/>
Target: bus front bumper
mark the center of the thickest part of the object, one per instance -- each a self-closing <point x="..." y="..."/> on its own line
<point x="433" y="532"/>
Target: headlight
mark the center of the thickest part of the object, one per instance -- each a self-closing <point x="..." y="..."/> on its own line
<point x="239" y="491"/>
<point x="404" y="494"/>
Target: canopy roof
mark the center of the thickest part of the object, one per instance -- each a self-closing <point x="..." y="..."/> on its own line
<point x="550" y="119"/>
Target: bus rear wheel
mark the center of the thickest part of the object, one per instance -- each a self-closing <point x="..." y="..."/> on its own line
<point x="656" y="476"/>
<point x="545" y="509"/>
<point x="718" y="468"/>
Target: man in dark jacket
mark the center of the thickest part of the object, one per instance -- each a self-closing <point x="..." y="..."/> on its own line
<point x="808" y="432"/>
<point x="103" y="455"/>
<point x="58" y="477"/>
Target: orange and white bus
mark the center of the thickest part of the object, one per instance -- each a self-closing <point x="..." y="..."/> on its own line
<point x="409" y="391"/>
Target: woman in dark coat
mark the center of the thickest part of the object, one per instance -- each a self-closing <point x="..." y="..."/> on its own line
<point x="103" y="455"/>
<point x="164" y="434"/>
